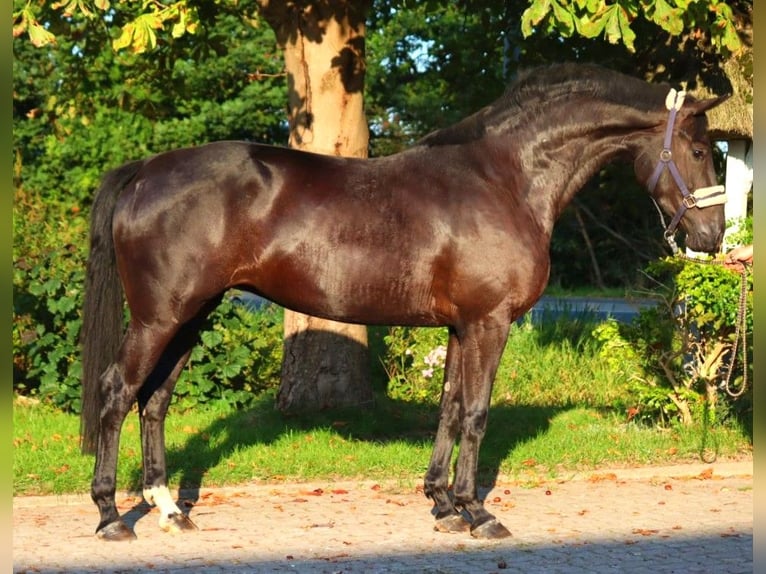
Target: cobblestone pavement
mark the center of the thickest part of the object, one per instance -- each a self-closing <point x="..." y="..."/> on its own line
<point x="687" y="519"/>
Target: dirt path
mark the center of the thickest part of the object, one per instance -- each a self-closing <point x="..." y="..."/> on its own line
<point x="695" y="518"/>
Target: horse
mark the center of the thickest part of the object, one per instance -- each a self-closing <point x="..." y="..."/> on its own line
<point x="452" y="232"/>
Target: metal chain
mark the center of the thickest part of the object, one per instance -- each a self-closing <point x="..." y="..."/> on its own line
<point x="740" y="331"/>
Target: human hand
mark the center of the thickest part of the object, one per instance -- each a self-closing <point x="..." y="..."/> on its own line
<point x="738" y="257"/>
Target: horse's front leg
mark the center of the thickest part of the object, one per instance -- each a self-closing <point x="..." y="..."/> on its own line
<point x="118" y="399"/>
<point x="482" y="348"/>
<point x="153" y="407"/>
<point x="436" y="482"/>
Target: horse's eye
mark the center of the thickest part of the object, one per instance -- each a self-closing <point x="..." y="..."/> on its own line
<point x="699" y="154"/>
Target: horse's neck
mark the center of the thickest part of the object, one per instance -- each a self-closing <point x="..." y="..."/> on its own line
<point x="574" y="143"/>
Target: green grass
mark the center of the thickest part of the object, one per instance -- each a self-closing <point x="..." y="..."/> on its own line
<point x="557" y="408"/>
<point x="214" y="447"/>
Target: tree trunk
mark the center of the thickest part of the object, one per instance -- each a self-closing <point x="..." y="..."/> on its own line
<point x="325" y="364"/>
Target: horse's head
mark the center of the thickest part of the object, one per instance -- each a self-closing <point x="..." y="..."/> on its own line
<point x="677" y="167"/>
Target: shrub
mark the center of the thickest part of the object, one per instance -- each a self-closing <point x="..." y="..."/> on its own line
<point x="238" y="356"/>
<point x="685" y="346"/>
<point x="48" y="276"/>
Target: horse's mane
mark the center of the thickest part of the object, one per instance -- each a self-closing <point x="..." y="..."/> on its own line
<point x="538" y="86"/>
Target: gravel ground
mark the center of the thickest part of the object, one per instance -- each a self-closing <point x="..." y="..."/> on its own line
<point x="683" y="519"/>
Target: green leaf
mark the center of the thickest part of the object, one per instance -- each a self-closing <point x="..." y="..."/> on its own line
<point x="595" y="7"/>
<point x="729" y="37"/>
<point x="39" y="36"/>
<point x="211" y="338"/>
<point x="612" y="24"/>
<point x="667" y="17"/>
<point x="126" y="37"/>
<point x="534" y="15"/>
<point x="564" y="19"/>
<point x="591" y="27"/>
<point x="628" y="36"/>
<point x="230" y="370"/>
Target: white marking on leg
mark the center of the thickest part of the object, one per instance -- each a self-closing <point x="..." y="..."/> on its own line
<point x="160" y="497"/>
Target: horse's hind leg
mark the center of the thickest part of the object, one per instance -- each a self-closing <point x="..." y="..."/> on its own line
<point x="152" y="409"/>
<point x="153" y="400"/>
<point x="436" y="482"/>
<point x="140" y="350"/>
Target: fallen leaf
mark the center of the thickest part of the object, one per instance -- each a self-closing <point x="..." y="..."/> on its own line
<point x="602" y="477"/>
<point x="315" y="492"/>
<point x="706" y="474"/>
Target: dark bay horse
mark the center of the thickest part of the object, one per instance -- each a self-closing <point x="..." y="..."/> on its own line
<point x="453" y="232"/>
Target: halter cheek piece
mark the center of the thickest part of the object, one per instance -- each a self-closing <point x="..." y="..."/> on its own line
<point x="700" y="198"/>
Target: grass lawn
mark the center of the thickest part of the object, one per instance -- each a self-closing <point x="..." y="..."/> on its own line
<point x="558" y="407"/>
<point x="392" y="441"/>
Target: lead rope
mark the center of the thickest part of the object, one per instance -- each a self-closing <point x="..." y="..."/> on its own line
<point x="740" y="328"/>
<point x="740" y="335"/>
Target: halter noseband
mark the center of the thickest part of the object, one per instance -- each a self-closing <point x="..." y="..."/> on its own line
<point x="702" y="197"/>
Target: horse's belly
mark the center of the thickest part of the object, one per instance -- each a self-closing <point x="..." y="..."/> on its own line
<point x="354" y="289"/>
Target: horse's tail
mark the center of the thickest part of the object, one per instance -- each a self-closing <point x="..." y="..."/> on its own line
<point x="102" y="323"/>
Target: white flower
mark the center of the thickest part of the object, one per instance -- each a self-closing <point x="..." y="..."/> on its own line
<point x="436" y="357"/>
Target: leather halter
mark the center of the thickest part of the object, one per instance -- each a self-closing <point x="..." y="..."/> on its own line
<point x="701" y="197"/>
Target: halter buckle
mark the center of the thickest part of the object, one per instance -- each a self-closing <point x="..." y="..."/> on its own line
<point x="689" y="201"/>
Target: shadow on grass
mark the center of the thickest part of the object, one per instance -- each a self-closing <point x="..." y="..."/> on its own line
<point x="387" y="421"/>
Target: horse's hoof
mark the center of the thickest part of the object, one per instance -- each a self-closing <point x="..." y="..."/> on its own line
<point x="177" y="522"/>
<point x="490" y="530"/>
<point x="452" y="523"/>
<point x="116" y="531"/>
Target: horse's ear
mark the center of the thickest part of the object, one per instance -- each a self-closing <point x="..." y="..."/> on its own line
<point x="699" y="107"/>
